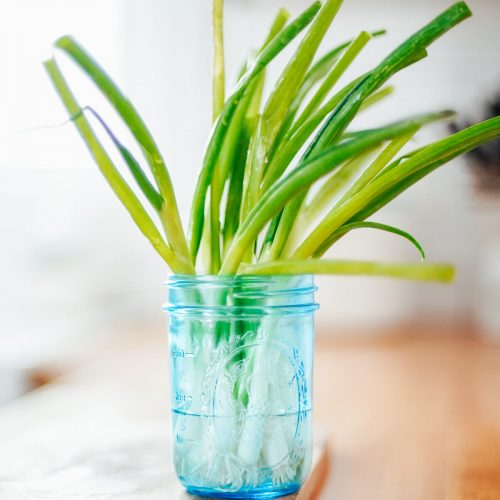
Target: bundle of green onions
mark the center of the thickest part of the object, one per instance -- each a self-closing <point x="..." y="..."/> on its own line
<point x="284" y="177"/>
<point x="276" y="187"/>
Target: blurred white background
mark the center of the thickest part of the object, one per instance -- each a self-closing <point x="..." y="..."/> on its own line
<point x="74" y="267"/>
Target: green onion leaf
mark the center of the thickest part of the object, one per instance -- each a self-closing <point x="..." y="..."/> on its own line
<point x="342" y="231"/>
<point x="337" y="71"/>
<point x="337" y="181"/>
<point x="420" y="272"/>
<point x="135" y="168"/>
<point x="219" y="81"/>
<point x="376" y="97"/>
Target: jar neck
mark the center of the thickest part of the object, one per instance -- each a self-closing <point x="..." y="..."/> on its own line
<point x="240" y="295"/>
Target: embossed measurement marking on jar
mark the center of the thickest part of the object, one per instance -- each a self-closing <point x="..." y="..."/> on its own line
<point x="180" y="439"/>
<point x="181" y="397"/>
<point x="178" y="352"/>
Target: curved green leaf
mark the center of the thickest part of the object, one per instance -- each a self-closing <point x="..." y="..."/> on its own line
<point x="342" y="231"/>
<point x="170" y="213"/>
<point x="123" y="192"/>
<point x="291" y="211"/>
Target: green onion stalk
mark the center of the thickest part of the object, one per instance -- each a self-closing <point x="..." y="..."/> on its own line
<point x="285" y="176"/>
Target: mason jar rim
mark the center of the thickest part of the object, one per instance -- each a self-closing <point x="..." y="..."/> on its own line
<point x="278" y="301"/>
<point x="231" y="278"/>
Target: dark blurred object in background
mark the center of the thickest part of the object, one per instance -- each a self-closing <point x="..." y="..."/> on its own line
<point x="485" y="160"/>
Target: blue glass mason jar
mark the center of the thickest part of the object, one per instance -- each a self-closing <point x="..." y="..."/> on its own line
<point x="241" y="352"/>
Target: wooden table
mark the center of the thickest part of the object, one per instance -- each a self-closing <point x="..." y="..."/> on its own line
<point x="414" y="417"/>
<point x="409" y="417"/>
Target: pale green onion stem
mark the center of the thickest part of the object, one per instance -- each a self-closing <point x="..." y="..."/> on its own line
<point x="333" y="185"/>
<point x="219" y="80"/>
<point x="422" y="272"/>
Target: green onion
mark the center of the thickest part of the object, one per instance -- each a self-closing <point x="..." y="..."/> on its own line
<point x="260" y="206"/>
<point x="219" y="81"/>
<point x="421" y="272"/>
<point x="277" y="44"/>
<point x="414" y="168"/>
<point x="280" y="100"/>
<point x="119" y="186"/>
<point x="169" y="214"/>
<point x="337" y="71"/>
<point x="308" y="172"/>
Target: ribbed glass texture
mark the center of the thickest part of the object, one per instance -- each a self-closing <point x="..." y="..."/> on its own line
<point x="241" y="354"/>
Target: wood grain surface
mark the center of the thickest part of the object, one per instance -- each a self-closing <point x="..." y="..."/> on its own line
<point x="409" y="417"/>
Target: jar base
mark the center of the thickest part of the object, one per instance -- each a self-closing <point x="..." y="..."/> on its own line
<point x="264" y="491"/>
